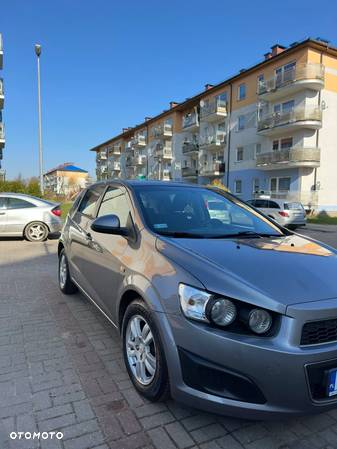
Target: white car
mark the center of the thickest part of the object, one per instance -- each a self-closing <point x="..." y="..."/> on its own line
<point x="290" y="214"/>
<point x="27" y="216"/>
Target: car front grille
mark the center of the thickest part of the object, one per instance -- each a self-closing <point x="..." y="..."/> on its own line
<point x="319" y="332"/>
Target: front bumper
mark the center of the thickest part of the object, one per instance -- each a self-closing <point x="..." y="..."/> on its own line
<point x="276" y="368"/>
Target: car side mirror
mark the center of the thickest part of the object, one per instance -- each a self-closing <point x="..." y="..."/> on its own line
<point x="108" y="224"/>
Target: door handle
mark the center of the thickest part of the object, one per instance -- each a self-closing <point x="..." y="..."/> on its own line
<point x="2" y="213"/>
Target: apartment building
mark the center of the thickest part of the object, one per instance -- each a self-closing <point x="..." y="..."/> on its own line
<point x="271" y="129"/>
<point x="2" y="98"/>
<point x="65" y="179"/>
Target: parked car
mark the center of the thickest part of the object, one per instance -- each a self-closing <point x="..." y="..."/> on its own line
<point x="287" y="213"/>
<point x="235" y="316"/>
<point x="27" y="216"/>
<point x="218" y="210"/>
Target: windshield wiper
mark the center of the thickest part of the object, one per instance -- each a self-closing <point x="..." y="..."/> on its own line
<point x="246" y="234"/>
<point x="181" y="234"/>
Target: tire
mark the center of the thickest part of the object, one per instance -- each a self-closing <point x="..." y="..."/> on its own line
<point x="65" y="283"/>
<point x="36" y="231"/>
<point x="149" y="378"/>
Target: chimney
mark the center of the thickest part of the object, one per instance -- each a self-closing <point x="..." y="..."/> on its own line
<point x="208" y="86"/>
<point x="147" y="119"/>
<point x="267" y="56"/>
<point x="173" y="104"/>
<point x="277" y="49"/>
<point x="125" y="129"/>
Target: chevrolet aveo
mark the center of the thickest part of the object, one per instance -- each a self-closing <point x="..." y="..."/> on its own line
<point x="233" y="314"/>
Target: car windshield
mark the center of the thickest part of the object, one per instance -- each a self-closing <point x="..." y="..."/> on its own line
<point x="194" y="212"/>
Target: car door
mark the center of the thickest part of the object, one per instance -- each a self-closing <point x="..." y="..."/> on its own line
<point x="3" y="215"/>
<point x="79" y="240"/>
<point x="106" y="266"/>
<point x="19" y="213"/>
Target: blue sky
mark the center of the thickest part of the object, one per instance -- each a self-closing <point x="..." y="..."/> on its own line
<point x="107" y="64"/>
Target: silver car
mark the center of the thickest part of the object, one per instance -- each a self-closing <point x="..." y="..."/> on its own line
<point x="232" y="314"/>
<point x="27" y="216"/>
<point x="287" y="213"/>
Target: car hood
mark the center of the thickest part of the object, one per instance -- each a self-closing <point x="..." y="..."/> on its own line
<point x="269" y="272"/>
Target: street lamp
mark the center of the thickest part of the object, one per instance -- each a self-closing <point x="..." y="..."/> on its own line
<point x="38" y="54"/>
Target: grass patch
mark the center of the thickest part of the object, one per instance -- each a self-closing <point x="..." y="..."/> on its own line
<point x="65" y="207"/>
<point x="324" y="219"/>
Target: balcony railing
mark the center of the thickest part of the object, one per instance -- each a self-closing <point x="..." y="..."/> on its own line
<point x="164" y="130"/>
<point x="101" y="156"/>
<point x="139" y="140"/>
<point x="167" y="174"/>
<point x="294" y="156"/>
<point x="190" y="147"/>
<point x="213" y="109"/>
<point x="116" y="166"/>
<point x="189" y="171"/>
<point x="216" y="139"/>
<point x="139" y="160"/>
<point x="298" y="114"/>
<point x="2" y="131"/>
<point x="215" y="168"/>
<point x="163" y="151"/>
<point x="300" y="72"/>
<point x="116" y="149"/>
<point x="1" y="87"/>
<point x="190" y="120"/>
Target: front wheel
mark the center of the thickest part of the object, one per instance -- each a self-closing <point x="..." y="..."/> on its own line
<point x="143" y="353"/>
<point x="65" y="283"/>
<point x="36" y="232"/>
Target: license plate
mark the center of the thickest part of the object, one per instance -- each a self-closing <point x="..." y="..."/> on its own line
<point x="332" y="382"/>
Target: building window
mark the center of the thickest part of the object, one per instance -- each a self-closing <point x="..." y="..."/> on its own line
<point x="256" y="185"/>
<point x="238" y="186"/>
<point x="282" y="144"/>
<point x="280" y="184"/>
<point x="285" y="73"/>
<point x="257" y="149"/>
<point x="260" y="81"/>
<point x="242" y="91"/>
<point x="241" y="122"/>
<point x="222" y="99"/>
<point x="285" y="107"/>
<point x="239" y="154"/>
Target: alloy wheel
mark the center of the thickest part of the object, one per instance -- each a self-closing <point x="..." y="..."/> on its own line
<point x="141" y="350"/>
<point x="63" y="271"/>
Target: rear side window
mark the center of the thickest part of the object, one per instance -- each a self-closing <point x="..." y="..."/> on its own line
<point x="75" y="204"/>
<point x="261" y="203"/>
<point x="2" y="203"/>
<point x="273" y="205"/>
<point x="89" y="201"/>
<point x="17" y="203"/>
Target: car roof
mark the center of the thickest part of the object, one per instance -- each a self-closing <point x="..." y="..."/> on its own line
<point x="27" y="197"/>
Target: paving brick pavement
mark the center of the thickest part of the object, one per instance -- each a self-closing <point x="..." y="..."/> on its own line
<point x="61" y="369"/>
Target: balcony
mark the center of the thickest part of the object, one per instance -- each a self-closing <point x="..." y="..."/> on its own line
<point x="116" y="150"/>
<point x="2" y="135"/>
<point x="163" y="152"/>
<point x="189" y="172"/>
<point x="162" y="131"/>
<point x="213" y="142"/>
<point x="2" y="97"/>
<point x="190" y="148"/>
<point x="216" y="168"/>
<point x="139" y="160"/>
<point x="139" y="141"/>
<point x="101" y="156"/>
<point x="289" y="158"/>
<point x="299" y="117"/>
<point x="166" y="175"/>
<point x="301" y="76"/>
<point x="116" y="166"/>
<point x="190" y="122"/>
<point x="213" y="111"/>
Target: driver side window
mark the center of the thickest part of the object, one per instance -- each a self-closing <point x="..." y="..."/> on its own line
<point x="115" y="202"/>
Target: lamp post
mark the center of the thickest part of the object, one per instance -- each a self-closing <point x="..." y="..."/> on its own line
<point x="38" y="54"/>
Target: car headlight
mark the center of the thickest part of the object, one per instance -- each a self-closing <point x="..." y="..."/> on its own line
<point x="193" y="302"/>
<point x="222" y="312"/>
<point x="259" y="321"/>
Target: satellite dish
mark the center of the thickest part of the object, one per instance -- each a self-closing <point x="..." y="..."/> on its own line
<point x="323" y="105"/>
<point x="202" y="103"/>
